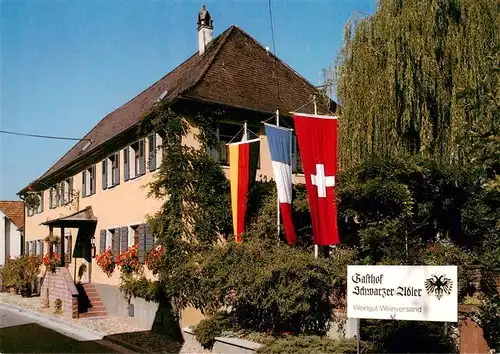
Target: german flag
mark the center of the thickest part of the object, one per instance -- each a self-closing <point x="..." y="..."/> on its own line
<point x="243" y="158"/>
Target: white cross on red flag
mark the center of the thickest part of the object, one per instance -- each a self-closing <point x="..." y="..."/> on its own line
<point x="317" y="137"/>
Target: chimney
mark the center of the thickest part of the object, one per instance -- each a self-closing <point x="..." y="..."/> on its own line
<point x="205" y="29"/>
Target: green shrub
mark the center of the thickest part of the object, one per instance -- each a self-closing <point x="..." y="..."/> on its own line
<point x="408" y="336"/>
<point x="211" y="327"/>
<point x="489" y="317"/>
<point x="21" y="273"/>
<point x="140" y="287"/>
<point x="444" y="252"/>
<point x="9" y="273"/>
<point x="269" y="287"/>
<point x="314" y="345"/>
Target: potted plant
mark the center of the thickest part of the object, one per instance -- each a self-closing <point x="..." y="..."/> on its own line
<point x="51" y="262"/>
<point x="106" y="261"/>
<point x="128" y="260"/>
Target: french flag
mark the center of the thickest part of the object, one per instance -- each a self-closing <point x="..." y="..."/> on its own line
<point x="280" y="147"/>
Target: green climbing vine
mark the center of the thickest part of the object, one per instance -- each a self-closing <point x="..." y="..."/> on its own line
<point x="196" y="208"/>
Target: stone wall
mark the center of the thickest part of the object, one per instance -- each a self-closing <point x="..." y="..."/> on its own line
<point x="116" y="304"/>
<point x="61" y="286"/>
<point x="471" y="337"/>
<point x="147" y="314"/>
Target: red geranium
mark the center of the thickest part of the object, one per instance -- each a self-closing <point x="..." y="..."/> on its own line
<point x="154" y="259"/>
<point x="106" y="261"/>
<point x="128" y="260"/>
<point x="51" y="262"/>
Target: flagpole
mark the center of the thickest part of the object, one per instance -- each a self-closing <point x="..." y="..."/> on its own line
<point x="316" y="248"/>
<point x="277" y="197"/>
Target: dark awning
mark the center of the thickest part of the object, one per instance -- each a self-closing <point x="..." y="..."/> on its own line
<point x="75" y="220"/>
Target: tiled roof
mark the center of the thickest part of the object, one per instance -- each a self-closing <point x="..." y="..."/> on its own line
<point x="235" y="70"/>
<point x="14" y="210"/>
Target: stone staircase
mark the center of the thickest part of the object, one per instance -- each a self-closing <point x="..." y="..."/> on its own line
<point x="89" y="302"/>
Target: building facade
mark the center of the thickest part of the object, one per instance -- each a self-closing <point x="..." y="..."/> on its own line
<point x="11" y="224"/>
<point x="102" y="180"/>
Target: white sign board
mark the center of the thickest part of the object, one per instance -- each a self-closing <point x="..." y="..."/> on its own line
<point x="420" y="293"/>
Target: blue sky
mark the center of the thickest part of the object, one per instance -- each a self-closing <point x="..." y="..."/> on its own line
<point x="66" y="64"/>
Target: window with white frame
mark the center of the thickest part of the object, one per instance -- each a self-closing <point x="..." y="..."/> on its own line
<point x="39" y="209"/>
<point x="66" y="187"/>
<point x="133" y="235"/>
<point x="111" y="171"/>
<point x="155" y="151"/>
<point x="134" y="161"/>
<point x="109" y="238"/>
<point x="54" y="194"/>
<point x="68" y="244"/>
<point x="39" y="247"/>
<point x="89" y="181"/>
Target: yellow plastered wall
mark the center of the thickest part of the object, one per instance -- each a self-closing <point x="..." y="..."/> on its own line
<point x="123" y="205"/>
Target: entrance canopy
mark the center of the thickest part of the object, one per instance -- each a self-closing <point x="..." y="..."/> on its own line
<point x="75" y="220"/>
<point x="86" y="223"/>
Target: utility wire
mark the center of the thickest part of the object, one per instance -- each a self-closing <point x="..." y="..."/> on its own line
<point x="42" y="136"/>
<point x="274" y="50"/>
<point x="272" y="26"/>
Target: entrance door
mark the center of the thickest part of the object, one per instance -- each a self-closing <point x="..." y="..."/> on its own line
<point x="83" y="257"/>
<point x="82" y="271"/>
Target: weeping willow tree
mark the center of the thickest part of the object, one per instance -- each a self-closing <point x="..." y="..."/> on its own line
<point x="412" y="79"/>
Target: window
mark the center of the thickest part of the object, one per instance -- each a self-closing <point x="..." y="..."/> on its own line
<point x="133" y="235"/>
<point x="155" y="151"/>
<point x="54" y="196"/>
<point x="40" y="204"/>
<point x="108" y="239"/>
<point x="115" y="169"/>
<point x="88" y="181"/>
<point x="113" y="240"/>
<point x="65" y="188"/>
<point x="68" y="244"/>
<point x="134" y="160"/>
<point x="160" y="150"/>
<point x="296" y="161"/>
<point x="39" y="247"/>
<point x="229" y="132"/>
<point x="111" y="171"/>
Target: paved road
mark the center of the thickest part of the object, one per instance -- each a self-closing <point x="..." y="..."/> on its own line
<point x="19" y="333"/>
<point x="9" y="319"/>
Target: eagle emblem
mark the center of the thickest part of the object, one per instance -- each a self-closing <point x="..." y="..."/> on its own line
<point x="438" y="285"/>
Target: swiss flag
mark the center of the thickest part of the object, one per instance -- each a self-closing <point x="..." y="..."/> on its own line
<point x="317" y="137"/>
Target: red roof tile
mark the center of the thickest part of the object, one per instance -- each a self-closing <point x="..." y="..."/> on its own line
<point x="14" y="210"/>
<point x="235" y="70"/>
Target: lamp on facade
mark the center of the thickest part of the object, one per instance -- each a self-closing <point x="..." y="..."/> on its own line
<point x="92" y="249"/>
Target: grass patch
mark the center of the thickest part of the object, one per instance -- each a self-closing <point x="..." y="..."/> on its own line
<point x="33" y="338"/>
<point x="148" y="341"/>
